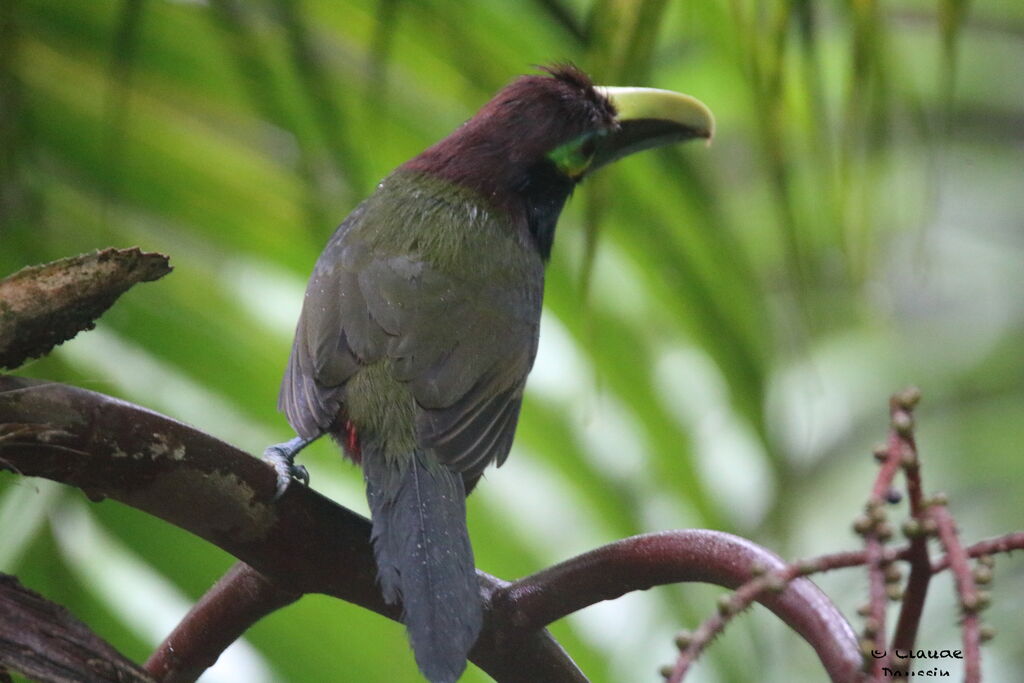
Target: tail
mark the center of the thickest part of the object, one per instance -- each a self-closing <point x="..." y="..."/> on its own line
<point x="424" y="558"/>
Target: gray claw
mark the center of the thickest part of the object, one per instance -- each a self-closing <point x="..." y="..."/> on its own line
<point x="282" y="458"/>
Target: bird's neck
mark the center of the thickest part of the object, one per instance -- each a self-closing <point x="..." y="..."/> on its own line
<point x="543" y="193"/>
<point x="532" y="194"/>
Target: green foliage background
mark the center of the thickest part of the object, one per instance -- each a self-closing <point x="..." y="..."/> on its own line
<point x="723" y="324"/>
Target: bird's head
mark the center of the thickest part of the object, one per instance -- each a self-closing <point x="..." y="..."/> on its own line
<point x="585" y="126"/>
<point x="531" y="143"/>
<point x="556" y="118"/>
<point x="562" y="118"/>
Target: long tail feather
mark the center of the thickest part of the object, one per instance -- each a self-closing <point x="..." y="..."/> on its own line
<point x="425" y="560"/>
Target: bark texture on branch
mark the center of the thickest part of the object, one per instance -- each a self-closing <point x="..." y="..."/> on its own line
<point x="47" y="643"/>
<point x="43" y="306"/>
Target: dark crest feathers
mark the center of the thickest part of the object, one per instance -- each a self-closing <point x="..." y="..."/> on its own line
<point x="568" y="73"/>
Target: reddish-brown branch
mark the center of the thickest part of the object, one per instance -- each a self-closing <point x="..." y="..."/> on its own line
<point x="858" y="558"/>
<point x="748" y="593"/>
<point x="693" y="645"/>
<point x="641" y="562"/>
<point x="242" y="597"/>
<point x="874" y="553"/>
<point x="876" y="598"/>
<point x="993" y="546"/>
<point x="898" y="452"/>
<point x="970" y="600"/>
<point x="536" y="585"/>
<point x="900" y="407"/>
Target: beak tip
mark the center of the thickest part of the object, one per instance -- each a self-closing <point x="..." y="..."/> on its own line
<point x="709" y="132"/>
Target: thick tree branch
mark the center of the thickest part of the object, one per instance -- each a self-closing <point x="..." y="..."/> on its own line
<point x="43" y="306"/>
<point x="304" y="543"/>
<point x="45" y="642"/>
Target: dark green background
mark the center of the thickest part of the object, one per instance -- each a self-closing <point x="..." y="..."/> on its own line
<point x="724" y="324"/>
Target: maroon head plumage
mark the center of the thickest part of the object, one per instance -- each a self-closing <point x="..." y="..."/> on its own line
<point x="517" y="129"/>
<point x="504" y="151"/>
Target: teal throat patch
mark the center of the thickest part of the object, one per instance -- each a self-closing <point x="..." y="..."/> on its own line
<point x="574" y="157"/>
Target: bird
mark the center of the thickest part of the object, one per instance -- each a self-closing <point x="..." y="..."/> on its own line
<point x="421" y="321"/>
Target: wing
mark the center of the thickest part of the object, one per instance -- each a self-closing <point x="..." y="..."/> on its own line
<point x="459" y="330"/>
<point x="322" y="358"/>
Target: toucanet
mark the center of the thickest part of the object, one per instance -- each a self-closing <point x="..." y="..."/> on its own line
<point x="421" y="320"/>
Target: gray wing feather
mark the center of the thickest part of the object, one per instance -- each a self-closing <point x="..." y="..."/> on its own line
<point x="322" y="358"/>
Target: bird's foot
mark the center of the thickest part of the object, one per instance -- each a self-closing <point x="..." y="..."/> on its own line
<point x="282" y="458"/>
